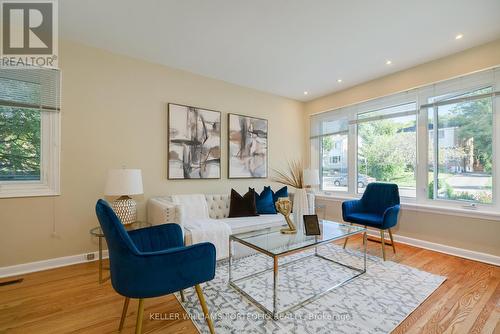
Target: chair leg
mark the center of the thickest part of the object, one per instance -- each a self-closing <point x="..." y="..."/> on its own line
<point x="382" y="239"/>
<point x="204" y="307"/>
<point x="140" y="313"/>
<point x="392" y="241"/>
<point x="345" y="241"/>
<point x="124" y="314"/>
<point x="182" y="296"/>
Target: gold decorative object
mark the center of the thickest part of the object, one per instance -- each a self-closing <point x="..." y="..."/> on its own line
<point x="284" y="206"/>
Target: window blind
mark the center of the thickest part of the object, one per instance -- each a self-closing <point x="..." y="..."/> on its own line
<point x="459" y="100"/>
<point x="37" y="88"/>
<point x="364" y="111"/>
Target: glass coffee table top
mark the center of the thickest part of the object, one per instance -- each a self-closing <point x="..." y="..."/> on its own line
<point x="97" y="231"/>
<point x="274" y="243"/>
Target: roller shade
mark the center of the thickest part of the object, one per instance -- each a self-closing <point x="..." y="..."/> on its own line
<point x="37" y="88"/>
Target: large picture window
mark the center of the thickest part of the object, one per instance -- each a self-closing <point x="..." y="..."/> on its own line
<point x="437" y="143"/>
<point x="330" y="142"/>
<point x="387" y="147"/>
<point x="461" y="151"/>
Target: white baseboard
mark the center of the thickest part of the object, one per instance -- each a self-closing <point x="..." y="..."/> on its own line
<point x="25" y="268"/>
<point x="455" y="251"/>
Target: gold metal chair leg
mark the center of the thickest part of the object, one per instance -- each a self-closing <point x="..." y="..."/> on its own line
<point x="345" y="241"/>
<point x="392" y="241"/>
<point x="382" y="240"/>
<point x="182" y="296"/>
<point x="204" y="307"/>
<point x="140" y="313"/>
<point x="124" y="314"/>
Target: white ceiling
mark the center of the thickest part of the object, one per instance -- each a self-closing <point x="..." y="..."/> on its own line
<point x="284" y="47"/>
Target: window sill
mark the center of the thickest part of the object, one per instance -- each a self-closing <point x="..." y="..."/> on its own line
<point x="29" y="190"/>
<point x="451" y="211"/>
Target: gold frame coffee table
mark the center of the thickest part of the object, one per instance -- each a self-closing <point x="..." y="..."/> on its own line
<point x="274" y="244"/>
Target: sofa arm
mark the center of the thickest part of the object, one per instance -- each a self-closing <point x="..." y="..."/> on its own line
<point x="162" y="211"/>
<point x="391" y="217"/>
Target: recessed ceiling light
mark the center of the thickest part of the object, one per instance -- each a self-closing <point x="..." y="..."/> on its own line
<point x="388" y="62"/>
<point x="459" y="36"/>
<point x="339" y="80"/>
<point x="305" y="93"/>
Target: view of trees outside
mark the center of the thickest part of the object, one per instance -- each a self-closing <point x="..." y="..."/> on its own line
<point x="19" y="144"/>
<point x="465" y="153"/>
<point x="387" y="152"/>
<point x="20" y="132"/>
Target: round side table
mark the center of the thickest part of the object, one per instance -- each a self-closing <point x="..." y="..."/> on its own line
<point x="97" y="232"/>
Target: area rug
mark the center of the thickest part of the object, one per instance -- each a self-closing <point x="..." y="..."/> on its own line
<point x="375" y="302"/>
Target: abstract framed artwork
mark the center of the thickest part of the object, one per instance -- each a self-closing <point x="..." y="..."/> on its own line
<point x="194" y="143"/>
<point x="248" y="146"/>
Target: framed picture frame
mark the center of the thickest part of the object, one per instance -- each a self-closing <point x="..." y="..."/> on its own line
<point x="247" y="147"/>
<point x="311" y="225"/>
<point x="193" y="143"/>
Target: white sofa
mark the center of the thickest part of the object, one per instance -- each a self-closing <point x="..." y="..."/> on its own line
<point x="163" y="210"/>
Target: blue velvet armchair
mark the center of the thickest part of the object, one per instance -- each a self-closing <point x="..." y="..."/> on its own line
<point x="153" y="262"/>
<point x="378" y="208"/>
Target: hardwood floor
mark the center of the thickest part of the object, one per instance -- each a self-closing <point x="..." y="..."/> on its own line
<point x="70" y="300"/>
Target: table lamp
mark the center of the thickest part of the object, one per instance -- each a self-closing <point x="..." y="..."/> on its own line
<point x="123" y="183"/>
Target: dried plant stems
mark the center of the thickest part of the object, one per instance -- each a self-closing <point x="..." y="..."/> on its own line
<point x="293" y="176"/>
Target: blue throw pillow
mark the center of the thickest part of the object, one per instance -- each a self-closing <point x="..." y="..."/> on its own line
<point x="283" y="192"/>
<point x="264" y="202"/>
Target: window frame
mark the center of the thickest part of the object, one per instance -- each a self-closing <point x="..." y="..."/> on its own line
<point x="462" y="84"/>
<point x="49" y="183"/>
<point x="391" y="101"/>
<point x="459" y="88"/>
<point x="316" y="151"/>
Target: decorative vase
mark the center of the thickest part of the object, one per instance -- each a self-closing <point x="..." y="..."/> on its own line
<point x="300" y="208"/>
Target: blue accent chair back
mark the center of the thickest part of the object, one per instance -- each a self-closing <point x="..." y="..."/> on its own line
<point x="153" y="261"/>
<point x="378" y="207"/>
<point x="378" y="197"/>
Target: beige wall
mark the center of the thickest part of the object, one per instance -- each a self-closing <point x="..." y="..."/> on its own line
<point x="113" y="115"/>
<point x="473" y="234"/>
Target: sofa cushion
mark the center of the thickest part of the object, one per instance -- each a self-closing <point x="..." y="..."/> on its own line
<point x="264" y="202"/>
<point x="242" y="206"/>
<point x="283" y="192"/>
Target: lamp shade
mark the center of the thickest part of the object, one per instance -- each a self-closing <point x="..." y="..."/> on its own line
<point x="121" y="182"/>
<point x="311" y="177"/>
